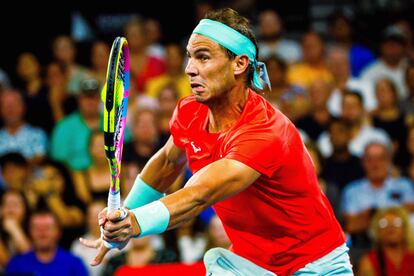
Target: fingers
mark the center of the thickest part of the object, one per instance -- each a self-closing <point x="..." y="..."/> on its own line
<point x="120" y="235"/>
<point x="117" y="215"/>
<point x="102" y="218"/>
<point x="91" y="243"/>
<point x="99" y="257"/>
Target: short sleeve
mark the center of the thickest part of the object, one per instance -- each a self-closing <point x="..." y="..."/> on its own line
<point x="258" y="150"/>
<point x="176" y="127"/>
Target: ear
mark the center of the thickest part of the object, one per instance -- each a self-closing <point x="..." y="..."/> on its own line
<point x="240" y="64"/>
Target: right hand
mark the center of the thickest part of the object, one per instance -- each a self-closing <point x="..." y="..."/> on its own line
<point x="114" y="229"/>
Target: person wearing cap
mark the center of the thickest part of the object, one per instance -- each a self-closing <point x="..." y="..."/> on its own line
<point x="248" y="161"/>
<point x="392" y="62"/>
<point x="70" y="137"/>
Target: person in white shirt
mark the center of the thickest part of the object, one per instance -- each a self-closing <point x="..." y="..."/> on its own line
<point x="339" y="66"/>
<point x="361" y="132"/>
<point x="392" y="63"/>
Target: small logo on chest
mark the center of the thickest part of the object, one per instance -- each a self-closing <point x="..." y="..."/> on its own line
<point x="195" y="148"/>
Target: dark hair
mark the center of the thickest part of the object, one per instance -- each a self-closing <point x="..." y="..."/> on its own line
<point x="42" y="211"/>
<point x="13" y="158"/>
<point x="279" y="62"/>
<point x="241" y="24"/>
<point x="26" y="207"/>
<point x="354" y="94"/>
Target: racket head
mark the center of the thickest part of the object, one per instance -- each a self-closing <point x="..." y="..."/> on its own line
<point x="115" y="97"/>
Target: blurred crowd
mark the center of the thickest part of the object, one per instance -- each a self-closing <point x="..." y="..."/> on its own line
<point x="353" y="105"/>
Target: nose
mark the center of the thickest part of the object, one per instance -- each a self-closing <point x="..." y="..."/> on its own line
<point x="191" y="69"/>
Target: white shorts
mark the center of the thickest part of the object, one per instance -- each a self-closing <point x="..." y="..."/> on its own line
<point x="222" y="262"/>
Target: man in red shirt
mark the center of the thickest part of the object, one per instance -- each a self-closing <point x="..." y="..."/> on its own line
<point x="248" y="162"/>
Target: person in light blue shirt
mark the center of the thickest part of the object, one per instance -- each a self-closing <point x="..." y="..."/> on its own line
<point x="16" y="135"/>
<point x="379" y="189"/>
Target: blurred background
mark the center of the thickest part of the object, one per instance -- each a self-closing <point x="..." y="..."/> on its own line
<point x="342" y="71"/>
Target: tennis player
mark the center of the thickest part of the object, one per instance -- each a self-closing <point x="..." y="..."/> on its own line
<point x="248" y="162"/>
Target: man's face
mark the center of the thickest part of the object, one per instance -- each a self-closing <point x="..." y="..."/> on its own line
<point x="44" y="232"/>
<point x="352" y="109"/>
<point x="89" y="105"/>
<point x="12" y="108"/>
<point x="376" y="162"/>
<point x="209" y="69"/>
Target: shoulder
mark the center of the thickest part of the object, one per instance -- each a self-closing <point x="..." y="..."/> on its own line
<point x="355" y="186"/>
<point x="20" y="259"/>
<point x="34" y="131"/>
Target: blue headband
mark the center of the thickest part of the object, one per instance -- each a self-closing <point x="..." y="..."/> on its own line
<point x="236" y="42"/>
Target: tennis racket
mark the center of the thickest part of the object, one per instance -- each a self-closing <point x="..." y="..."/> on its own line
<point x="115" y="97"/>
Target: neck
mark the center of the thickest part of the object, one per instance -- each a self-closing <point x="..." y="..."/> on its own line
<point x="341" y="154"/>
<point x="13" y="128"/>
<point x="224" y="112"/>
<point x="377" y="183"/>
<point x="46" y="255"/>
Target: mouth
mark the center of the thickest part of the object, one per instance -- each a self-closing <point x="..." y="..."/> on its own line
<point x="197" y="87"/>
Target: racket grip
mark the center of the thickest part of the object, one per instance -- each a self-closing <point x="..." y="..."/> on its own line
<point x="114" y="203"/>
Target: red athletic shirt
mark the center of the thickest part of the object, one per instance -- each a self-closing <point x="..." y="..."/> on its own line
<point x="282" y="221"/>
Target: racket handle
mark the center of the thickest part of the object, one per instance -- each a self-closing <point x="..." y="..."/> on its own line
<point x="114" y="203"/>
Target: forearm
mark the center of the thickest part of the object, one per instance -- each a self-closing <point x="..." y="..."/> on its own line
<point x="160" y="172"/>
<point x="20" y="240"/>
<point x="68" y="216"/>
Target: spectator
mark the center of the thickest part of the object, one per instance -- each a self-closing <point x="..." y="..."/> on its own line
<point x="17" y="135"/>
<point x="51" y="187"/>
<point x="70" y="137"/>
<point x="342" y="34"/>
<point x="313" y="66"/>
<point x="174" y="74"/>
<point x="271" y="40"/>
<point x="291" y="99"/>
<point x="216" y="234"/>
<point x="143" y="66"/>
<point x="377" y="190"/>
<point x="167" y="98"/>
<point x="393" y="252"/>
<point x="13" y="226"/>
<point x="93" y="232"/>
<point x="93" y="183"/>
<point x="64" y="52"/>
<point x="15" y="170"/>
<point x="361" y="132"/>
<point x="342" y="166"/>
<point x="319" y="118"/>
<point x="38" y="107"/>
<point x="99" y="61"/>
<point x="145" y="138"/>
<point x="388" y="116"/>
<point x="407" y="105"/>
<point x="392" y="63"/>
<point x="343" y="81"/>
<point x="154" y="35"/>
<point x="140" y="254"/>
<point x="61" y="102"/>
<point x="46" y="258"/>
